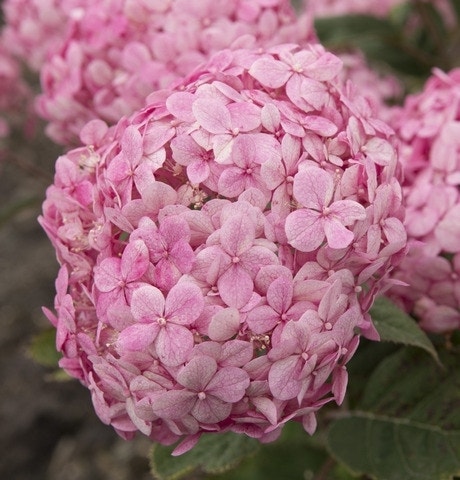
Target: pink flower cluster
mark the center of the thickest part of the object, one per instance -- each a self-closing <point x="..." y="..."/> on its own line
<point x="14" y="93"/>
<point x="220" y="248"/>
<point x="379" y="88"/>
<point x="118" y="51"/>
<point x="34" y="29"/>
<point x="428" y="126"/>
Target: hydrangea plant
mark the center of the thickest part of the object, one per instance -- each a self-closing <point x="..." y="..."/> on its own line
<point x="230" y="223"/>
<point x="221" y="247"/>
<point x="428" y="128"/>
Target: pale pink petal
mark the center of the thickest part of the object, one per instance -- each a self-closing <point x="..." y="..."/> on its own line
<point x="229" y="384"/>
<point x="212" y="115"/>
<point x="211" y="410"/>
<point x="174" y="344"/>
<point x="313" y="188"/>
<point x="236" y="353"/>
<point x="198" y="172"/>
<point x="184" y="303"/>
<point x="337" y="235"/>
<point x="174" y="404"/>
<point x="347" y="211"/>
<point x="267" y="408"/>
<point x="262" y="319"/>
<point x="180" y="105"/>
<point x="134" y="261"/>
<point x="245" y="116"/>
<point x="131" y="144"/>
<point x="137" y="337"/>
<point x="270" y="73"/>
<point x="224" y="324"/>
<point x="448" y="230"/>
<point x="237" y="235"/>
<point x="107" y="275"/>
<point x="147" y="303"/>
<point x="283" y="378"/>
<point x="232" y="182"/>
<point x="197" y="373"/>
<point x="279" y="294"/>
<point x="257" y="257"/>
<point x="304" y="230"/>
<point x="235" y="287"/>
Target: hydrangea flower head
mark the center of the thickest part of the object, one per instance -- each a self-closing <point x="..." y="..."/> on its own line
<point x="220" y="248"/>
<point x="118" y="51"/>
<point x="428" y="126"/>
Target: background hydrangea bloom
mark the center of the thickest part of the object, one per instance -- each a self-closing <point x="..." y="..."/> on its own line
<point x="14" y="95"/>
<point x="428" y="126"/>
<point x="267" y="314"/>
<point x="119" y="51"/>
<point x="329" y="8"/>
<point x="34" y="29"/>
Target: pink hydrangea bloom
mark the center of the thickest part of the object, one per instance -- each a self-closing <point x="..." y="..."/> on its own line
<point x="14" y="94"/>
<point x="224" y="290"/>
<point x="119" y="51"/>
<point x="428" y="126"/>
<point x="379" y="88"/>
<point x="36" y="28"/>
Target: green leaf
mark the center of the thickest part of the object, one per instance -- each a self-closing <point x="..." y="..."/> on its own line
<point x="214" y="453"/>
<point x="293" y="456"/>
<point x="407" y="425"/>
<point x="396" y="326"/>
<point x="42" y="348"/>
<point x="456" y="6"/>
<point x="379" y="38"/>
<point x="389" y="449"/>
